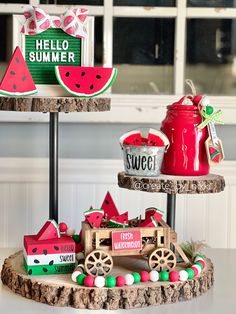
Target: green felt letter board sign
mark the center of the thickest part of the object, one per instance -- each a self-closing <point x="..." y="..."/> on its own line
<point x="50" y="48"/>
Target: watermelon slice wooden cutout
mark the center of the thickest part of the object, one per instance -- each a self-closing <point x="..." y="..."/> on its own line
<point x="50" y="230"/>
<point x="17" y="80"/>
<point x="109" y="207"/>
<point x="149" y="222"/>
<point x="85" y="81"/>
<point x="132" y="138"/>
<point x="157" y="138"/>
<point x="94" y="217"/>
<point x="121" y="221"/>
<point x="152" y="211"/>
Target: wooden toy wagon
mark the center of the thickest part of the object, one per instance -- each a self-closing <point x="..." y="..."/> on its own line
<point x="157" y="244"/>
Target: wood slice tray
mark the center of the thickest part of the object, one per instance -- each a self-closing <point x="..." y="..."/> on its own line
<point x="60" y="290"/>
<point x="54" y="104"/>
<point x="211" y="183"/>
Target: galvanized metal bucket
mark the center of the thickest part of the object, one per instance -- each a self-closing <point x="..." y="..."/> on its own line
<point x="143" y="161"/>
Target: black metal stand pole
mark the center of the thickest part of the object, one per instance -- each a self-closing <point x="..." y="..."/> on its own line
<point x="53" y="166"/>
<point x="171" y="205"/>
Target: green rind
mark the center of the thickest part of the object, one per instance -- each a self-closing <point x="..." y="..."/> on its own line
<point x="109" y="83"/>
<point x="116" y="224"/>
<point x="56" y="226"/>
<point x="154" y="222"/>
<point x="89" y="211"/>
<point x="51" y="269"/>
<point x="5" y="93"/>
<point x="156" y="210"/>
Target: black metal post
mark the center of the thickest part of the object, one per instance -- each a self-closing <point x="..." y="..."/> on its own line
<point x="53" y="166"/>
<point x="171" y="205"/>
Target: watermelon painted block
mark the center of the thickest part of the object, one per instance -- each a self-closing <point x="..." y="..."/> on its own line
<point x="157" y="138"/>
<point x="109" y="207"/>
<point x="51" y="256"/>
<point x="121" y="221"/>
<point x="50" y="230"/>
<point x="85" y="81"/>
<point x="215" y="154"/>
<point x="152" y="211"/>
<point x="132" y="138"/>
<point x="33" y="246"/>
<point x="94" y="217"/>
<point x="149" y="222"/>
<point x="17" y="80"/>
<point x="36" y="270"/>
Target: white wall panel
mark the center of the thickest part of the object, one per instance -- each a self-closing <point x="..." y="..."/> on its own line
<point x="84" y="182"/>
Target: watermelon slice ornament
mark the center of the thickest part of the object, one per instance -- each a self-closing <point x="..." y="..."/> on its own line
<point x="50" y="230"/>
<point x="120" y="221"/>
<point x="85" y="81"/>
<point x="94" y="217"/>
<point x="17" y="80"/>
<point x="109" y="207"/>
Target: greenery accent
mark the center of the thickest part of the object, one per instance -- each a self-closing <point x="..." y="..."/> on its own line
<point x="193" y="248"/>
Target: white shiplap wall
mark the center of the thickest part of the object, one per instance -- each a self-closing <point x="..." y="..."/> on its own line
<point x="24" y="200"/>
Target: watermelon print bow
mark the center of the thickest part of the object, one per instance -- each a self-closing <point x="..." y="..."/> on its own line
<point x="213" y="117"/>
<point x="71" y="22"/>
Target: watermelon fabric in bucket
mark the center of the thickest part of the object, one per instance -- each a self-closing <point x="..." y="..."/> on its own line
<point x="157" y="138"/>
<point x="17" y="80"/>
<point x="94" y="217"/>
<point x="85" y="81"/>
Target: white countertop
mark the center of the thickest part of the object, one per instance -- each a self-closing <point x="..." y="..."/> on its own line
<point x="220" y="299"/>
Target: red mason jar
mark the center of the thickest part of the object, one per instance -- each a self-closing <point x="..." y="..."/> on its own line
<point x="186" y="155"/>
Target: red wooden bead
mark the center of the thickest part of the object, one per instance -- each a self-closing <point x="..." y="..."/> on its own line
<point x="174" y="276"/>
<point x="89" y="281"/>
<point x="202" y="262"/>
<point x="195" y="271"/>
<point x="144" y="276"/>
<point x="120" y="281"/>
<point x="63" y="226"/>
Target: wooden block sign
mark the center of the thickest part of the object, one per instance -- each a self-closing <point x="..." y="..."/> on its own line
<point x="129" y="240"/>
<point x="45" y="50"/>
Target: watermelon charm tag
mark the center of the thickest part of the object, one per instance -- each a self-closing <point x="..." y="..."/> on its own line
<point x="214" y="147"/>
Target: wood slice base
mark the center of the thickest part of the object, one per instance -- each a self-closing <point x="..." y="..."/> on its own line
<point x="54" y="104"/>
<point x="60" y="290"/>
<point x="210" y="183"/>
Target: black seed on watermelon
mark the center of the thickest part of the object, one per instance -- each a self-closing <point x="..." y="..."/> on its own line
<point x="98" y="76"/>
<point x="97" y="217"/>
<point x="45" y="269"/>
<point x="45" y="252"/>
<point x="34" y="250"/>
<point x="51" y="262"/>
<point x="23" y="78"/>
<point x="67" y="74"/>
<point x="91" y="86"/>
<point x="12" y="73"/>
<point x="77" y="85"/>
<point x="107" y="202"/>
<point x="83" y="74"/>
<point x="17" y="60"/>
<point x="36" y="261"/>
<point x="14" y="86"/>
<point x="56" y="248"/>
<point x="30" y="272"/>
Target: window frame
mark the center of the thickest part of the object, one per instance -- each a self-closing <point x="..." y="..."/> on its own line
<point x="138" y="108"/>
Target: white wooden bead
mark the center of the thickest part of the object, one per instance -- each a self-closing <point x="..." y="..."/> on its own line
<point x="76" y="273"/>
<point x="154" y="275"/>
<point x="183" y="275"/>
<point x="129" y="279"/>
<point x="99" y="281"/>
<point x="70" y="232"/>
<point x="80" y="256"/>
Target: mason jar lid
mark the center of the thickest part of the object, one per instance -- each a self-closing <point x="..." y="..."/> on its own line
<point x="179" y="105"/>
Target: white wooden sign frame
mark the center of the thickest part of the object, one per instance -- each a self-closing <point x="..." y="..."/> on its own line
<point x="87" y="53"/>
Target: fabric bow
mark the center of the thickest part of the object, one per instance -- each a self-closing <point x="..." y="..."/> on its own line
<point x="71" y="22"/>
<point x="214" y="117"/>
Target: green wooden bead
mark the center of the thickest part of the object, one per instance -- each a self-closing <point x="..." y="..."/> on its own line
<point x="110" y="281"/>
<point x="76" y="238"/>
<point x="200" y="264"/>
<point x="137" y="277"/>
<point x="190" y="273"/>
<point x="164" y="275"/>
<point x="209" y="109"/>
<point x="80" y="279"/>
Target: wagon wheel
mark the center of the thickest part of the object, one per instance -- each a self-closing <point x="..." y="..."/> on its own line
<point x="162" y="259"/>
<point x="98" y="263"/>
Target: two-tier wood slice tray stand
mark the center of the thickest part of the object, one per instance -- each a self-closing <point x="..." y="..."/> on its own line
<point x="60" y="290"/>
